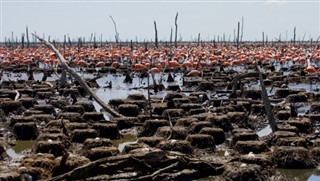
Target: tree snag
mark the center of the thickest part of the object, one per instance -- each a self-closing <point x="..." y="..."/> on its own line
<point x="176" y="34"/>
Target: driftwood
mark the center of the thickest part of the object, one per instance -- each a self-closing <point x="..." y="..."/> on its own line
<point x="266" y="103"/>
<point x="79" y="79"/>
<point x="146" y="166"/>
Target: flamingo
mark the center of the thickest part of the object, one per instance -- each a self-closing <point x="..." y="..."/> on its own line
<point x="310" y="68"/>
<point x="5" y="63"/>
<point x="82" y="63"/>
<point x="154" y="70"/>
<point x="100" y="64"/>
<point x="194" y="73"/>
<point x="138" y="67"/>
<point x="115" y="64"/>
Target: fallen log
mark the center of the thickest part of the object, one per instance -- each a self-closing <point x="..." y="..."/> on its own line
<point x="79" y="79"/>
<point x="146" y="166"/>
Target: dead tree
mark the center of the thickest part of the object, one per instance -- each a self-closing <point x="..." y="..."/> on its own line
<point x="156" y="34"/>
<point x="154" y="165"/>
<point x="69" y="41"/>
<point x="79" y="79"/>
<point x="27" y="36"/>
<point x="91" y="38"/>
<point x="266" y="103"/>
<point x="294" y="35"/>
<point x="94" y="41"/>
<point x="64" y="44"/>
<point x="242" y="29"/>
<point x="304" y="35"/>
<point x="115" y="28"/>
<point x="199" y="39"/>
<point x="131" y="45"/>
<point x="176" y="34"/>
<point x="171" y="39"/>
<point x="22" y="41"/>
<point x="238" y="35"/>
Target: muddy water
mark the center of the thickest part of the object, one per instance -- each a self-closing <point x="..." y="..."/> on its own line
<point x="20" y="149"/>
<point x="300" y="174"/>
<point x="125" y="140"/>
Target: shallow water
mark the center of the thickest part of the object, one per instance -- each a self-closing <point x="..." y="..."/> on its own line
<point x="125" y="140"/>
<point x="264" y="131"/>
<point x="300" y="174"/>
<point x="20" y="149"/>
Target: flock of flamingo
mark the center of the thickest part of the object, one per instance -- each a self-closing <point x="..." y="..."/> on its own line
<point x="189" y="56"/>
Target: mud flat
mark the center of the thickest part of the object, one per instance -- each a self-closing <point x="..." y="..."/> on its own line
<point x="189" y="127"/>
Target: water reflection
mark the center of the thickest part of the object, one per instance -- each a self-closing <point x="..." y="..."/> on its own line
<point x="125" y="140"/>
<point x="300" y="174"/>
<point x="20" y="148"/>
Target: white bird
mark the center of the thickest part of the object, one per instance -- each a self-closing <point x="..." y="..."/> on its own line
<point x="49" y="140"/>
<point x="251" y="155"/>
<point x="243" y="165"/>
<point x="173" y="141"/>
<point x="226" y="153"/>
<point x="287" y="108"/>
<point x="97" y="139"/>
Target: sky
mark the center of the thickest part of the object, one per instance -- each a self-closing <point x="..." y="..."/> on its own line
<point x="135" y="19"/>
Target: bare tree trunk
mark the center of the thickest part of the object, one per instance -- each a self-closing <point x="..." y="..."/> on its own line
<point x="64" y="44"/>
<point x="266" y="39"/>
<point x="279" y="37"/>
<point x="238" y="36"/>
<point x="156" y="34"/>
<point x="115" y="28"/>
<point x="22" y="41"/>
<point x="27" y="34"/>
<point x="262" y="38"/>
<point x="304" y="35"/>
<point x="294" y="35"/>
<point x="94" y="41"/>
<point x="149" y="99"/>
<point x="176" y="34"/>
<point x="199" y="39"/>
<point x="171" y="39"/>
<point x="242" y="29"/>
<point x="12" y="36"/>
<point x="101" y="40"/>
<point x="69" y="40"/>
<point x="266" y="103"/>
<point x="91" y="38"/>
<point x="79" y="79"/>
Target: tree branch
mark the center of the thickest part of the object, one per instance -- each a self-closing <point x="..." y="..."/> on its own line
<point x="79" y="79"/>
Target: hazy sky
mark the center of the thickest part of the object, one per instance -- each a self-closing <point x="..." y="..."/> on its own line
<point x="211" y="18"/>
